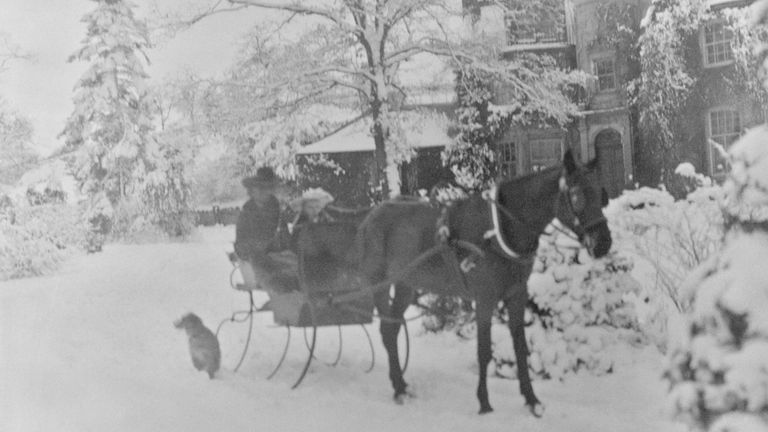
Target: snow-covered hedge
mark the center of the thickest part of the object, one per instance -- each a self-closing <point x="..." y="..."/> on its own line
<point x="38" y="239"/>
<point x="24" y="252"/>
<point x="719" y="365"/>
<point x="61" y="224"/>
<point x="579" y="310"/>
<point x="666" y="239"/>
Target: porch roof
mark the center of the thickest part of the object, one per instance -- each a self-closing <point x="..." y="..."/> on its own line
<point x="357" y="137"/>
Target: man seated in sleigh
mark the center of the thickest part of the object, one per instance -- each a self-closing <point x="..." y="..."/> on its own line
<point x="265" y="257"/>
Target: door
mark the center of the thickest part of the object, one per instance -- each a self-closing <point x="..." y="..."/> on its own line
<point x="610" y="161"/>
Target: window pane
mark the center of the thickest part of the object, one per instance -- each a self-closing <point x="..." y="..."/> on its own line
<point x="605" y="71"/>
<point x="717" y="43"/>
<point x="507" y="159"/>
<point x="545" y="153"/>
<point x="724" y="128"/>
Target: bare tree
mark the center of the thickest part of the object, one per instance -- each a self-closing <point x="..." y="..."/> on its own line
<point x="359" y="45"/>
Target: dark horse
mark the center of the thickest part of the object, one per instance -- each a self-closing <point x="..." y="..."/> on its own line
<point x="505" y="226"/>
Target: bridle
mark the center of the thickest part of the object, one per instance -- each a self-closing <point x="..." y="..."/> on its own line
<point x="579" y="228"/>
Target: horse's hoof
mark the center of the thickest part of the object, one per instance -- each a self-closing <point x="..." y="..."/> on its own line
<point x="400" y="398"/>
<point x="536" y="409"/>
<point x="485" y="410"/>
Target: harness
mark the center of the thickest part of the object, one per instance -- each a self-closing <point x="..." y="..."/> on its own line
<point x="492" y="197"/>
<point x="496" y="209"/>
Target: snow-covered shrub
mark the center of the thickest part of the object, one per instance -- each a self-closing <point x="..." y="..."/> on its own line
<point x="446" y="313"/>
<point x="578" y="310"/>
<point x="165" y="197"/>
<point x="719" y="366"/>
<point x="37" y="239"/>
<point x="60" y="224"/>
<point x="25" y="252"/>
<point x="46" y="196"/>
<point x="666" y="239"/>
<point x="98" y="215"/>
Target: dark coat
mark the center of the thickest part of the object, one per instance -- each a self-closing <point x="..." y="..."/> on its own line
<point x="256" y="227"/>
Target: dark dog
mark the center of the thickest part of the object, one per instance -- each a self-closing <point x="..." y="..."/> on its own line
<point x="203" y="345"/>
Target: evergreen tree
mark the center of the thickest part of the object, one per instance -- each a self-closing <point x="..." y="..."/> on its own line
<point x="111" y="132"/>
<point x="110" y="127"/>
<point x="718" y="366"/>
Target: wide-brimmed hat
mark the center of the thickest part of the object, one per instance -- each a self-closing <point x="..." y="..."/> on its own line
<point x="312" y="194"/>
<point x="265" y="176"/>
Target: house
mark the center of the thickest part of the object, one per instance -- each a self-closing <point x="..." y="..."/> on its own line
<point x="571" y="33"/>
<point x="719" y="108"/>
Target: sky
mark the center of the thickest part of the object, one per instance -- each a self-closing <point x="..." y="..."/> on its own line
<point x="41" y="88"/>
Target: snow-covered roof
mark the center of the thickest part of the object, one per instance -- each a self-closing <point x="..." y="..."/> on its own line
<point x="431" y="132"/>
<point x="725" y="3"/>
<point x="535" y="46"/>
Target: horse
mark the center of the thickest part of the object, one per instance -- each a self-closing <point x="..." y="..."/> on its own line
<point x="504" y="228"/>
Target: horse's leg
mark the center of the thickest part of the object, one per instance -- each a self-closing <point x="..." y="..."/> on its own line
<point x="484" y="353"/>
<point x="516" y="314"/>
<point x="391" y="315"/>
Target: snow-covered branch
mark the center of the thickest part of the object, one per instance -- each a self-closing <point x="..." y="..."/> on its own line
<point x="297" y="7"/>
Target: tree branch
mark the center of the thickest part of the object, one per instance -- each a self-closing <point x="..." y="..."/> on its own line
<point x="303" y="9"/>
<point x="213" y="10"/>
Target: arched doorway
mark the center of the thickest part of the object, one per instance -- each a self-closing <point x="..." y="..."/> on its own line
<point x="610" y="158"/>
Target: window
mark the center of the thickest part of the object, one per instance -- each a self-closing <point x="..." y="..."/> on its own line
<point x="606" y="76"/>
<point x="724" y="129"/>
<point x="545" y="153"/>
<point x="717" y="44"/>
<point x="507" y="159"/>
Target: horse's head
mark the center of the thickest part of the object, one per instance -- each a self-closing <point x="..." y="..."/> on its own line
<point x="580" y="205"/>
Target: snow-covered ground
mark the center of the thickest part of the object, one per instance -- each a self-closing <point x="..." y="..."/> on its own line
<point x="94" y="349"/>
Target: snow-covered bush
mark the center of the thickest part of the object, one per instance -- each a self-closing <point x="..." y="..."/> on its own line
<point x="37" y="239"/>
<point x="98" y="215"/>
<point x="24" y="252"/>
<point x="667" y="240"/>
<point x="447" y="313"/>
<point x="719" y="366"/>
<point x="60" y="224"/>
<point x="578" y="310"/>
<point x="165" y="196"/>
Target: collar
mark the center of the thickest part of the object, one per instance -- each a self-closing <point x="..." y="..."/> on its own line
<point x="495" y="232"/>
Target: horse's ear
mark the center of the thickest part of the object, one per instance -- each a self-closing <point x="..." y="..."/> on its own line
<point x="569" y="162"/>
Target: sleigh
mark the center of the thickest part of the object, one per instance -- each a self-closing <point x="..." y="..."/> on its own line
<point x="330" y="292"/>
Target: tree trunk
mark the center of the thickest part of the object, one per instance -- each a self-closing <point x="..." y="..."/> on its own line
<point x="380" y="150"/>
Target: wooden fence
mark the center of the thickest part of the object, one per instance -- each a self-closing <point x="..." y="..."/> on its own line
<point x="217" y="216"/>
